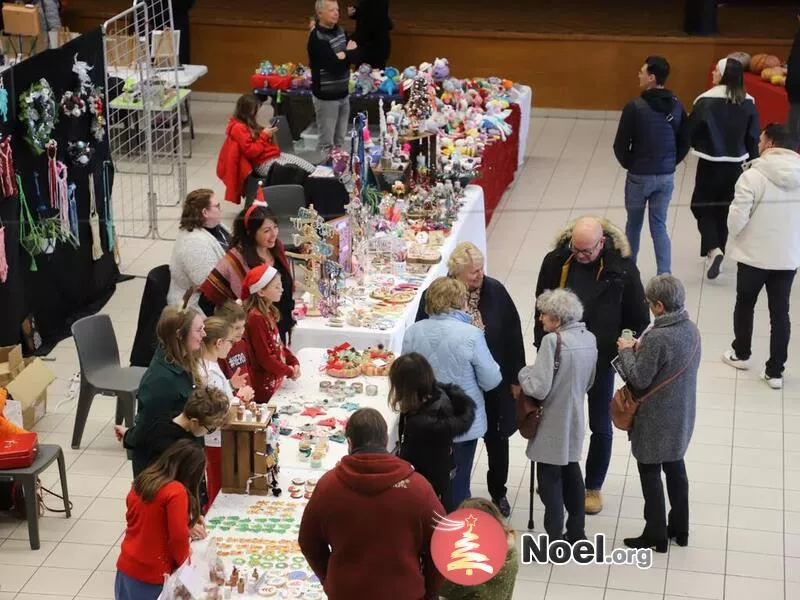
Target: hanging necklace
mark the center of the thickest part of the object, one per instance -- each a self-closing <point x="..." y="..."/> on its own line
<point x="8" y="176"/>
<point x="3" y="101"/>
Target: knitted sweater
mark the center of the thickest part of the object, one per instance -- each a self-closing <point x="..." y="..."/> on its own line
<point x="194" y="256"/>
<point x="499" y="587"/>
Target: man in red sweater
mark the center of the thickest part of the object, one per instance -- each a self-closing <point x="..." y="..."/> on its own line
<point x="366" y="531"/>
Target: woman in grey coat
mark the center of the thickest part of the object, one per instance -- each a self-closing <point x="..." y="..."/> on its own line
<point x="663" y="361"/>
<point x="561" y="376"/>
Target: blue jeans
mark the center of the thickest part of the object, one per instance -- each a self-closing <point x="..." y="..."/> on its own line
<point x="654" y="193"/>
<point x="599" y="456"/>
<point x="463" y="455"/>
<point x="128" y="588"/>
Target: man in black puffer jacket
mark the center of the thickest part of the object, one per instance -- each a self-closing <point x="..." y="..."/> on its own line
<point x="649" y="145"/>
<point x="592" y="258"/>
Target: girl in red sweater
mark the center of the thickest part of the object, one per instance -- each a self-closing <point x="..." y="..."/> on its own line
<point x="164" y="502"/>
<point x="249" y="147"/>
<point x="271" y="360"/>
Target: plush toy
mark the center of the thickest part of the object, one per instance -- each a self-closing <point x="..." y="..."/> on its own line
<point x="265" y="68"/>
<point x="377" y="79"/>
<point x="474" y="97"/>
<point x="446" y="146"/>
<point x="496" y="122"/>
<point x="353" y="83"/>
<point x="364" y="79"/>
<point x="391" y="81"/>
<point x="7" y="428"/>
<point x="441" y="69"/>
<point x="408" y="77"/>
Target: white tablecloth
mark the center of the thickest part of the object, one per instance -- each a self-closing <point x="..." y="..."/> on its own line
<point x="525" y="102"/>
<point x="314" y="332"/>
<point x="305" y="391"/>
<point x="187" y="74"/>
<point x="232" y="517"/>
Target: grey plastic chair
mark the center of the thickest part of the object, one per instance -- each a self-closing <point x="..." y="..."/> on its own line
<point x="101" y="372"/>
<point x="27" y="477"/>
<point x="286" y="143"/>
<point x="285" y="201"/>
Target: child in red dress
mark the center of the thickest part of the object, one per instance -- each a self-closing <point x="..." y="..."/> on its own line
<point x="270" y="360"/>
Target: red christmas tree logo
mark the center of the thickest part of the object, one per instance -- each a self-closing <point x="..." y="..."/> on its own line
<point x="469" y="546"/>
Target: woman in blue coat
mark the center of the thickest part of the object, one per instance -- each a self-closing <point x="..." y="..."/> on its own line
<point x="458" y="353"/>
<point x="492" y="310"/>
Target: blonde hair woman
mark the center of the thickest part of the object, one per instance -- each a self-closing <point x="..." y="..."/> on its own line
<point x="458" y="354"/>
<point x="492" y="310"/>
<point x="173" y="372"/>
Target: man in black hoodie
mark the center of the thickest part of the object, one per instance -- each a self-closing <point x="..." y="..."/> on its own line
<point x="793" y="85"/>
<point x="649" y="145"/>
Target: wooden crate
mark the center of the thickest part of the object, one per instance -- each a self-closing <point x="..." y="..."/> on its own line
<point x="243" y="456"/>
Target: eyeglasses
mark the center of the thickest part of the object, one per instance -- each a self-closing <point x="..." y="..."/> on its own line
<point x="584" y="251"/>
<point x="209" y="430"/>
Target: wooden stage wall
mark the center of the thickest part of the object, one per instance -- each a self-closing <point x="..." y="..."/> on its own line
<point x="593" y="72"/>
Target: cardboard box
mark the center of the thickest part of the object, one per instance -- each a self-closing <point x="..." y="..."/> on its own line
<point x="11" y="363"/>
<point x="29" y="388"/>
<point x="21" y="19"/>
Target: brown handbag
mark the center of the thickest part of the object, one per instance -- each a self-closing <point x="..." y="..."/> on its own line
<point x="529" y="409"/>
<point x="624" y="406"/>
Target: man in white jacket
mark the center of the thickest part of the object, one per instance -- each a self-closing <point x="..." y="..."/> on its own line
<point x="764" y="225"/>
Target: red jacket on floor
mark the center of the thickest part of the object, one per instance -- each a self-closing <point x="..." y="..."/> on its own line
<point x="239" y="155"/>
<point x="366" y="532"/>
<point x="270" y="360"/>
<point x="157" y="537"/>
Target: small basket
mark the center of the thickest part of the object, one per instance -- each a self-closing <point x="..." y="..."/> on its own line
<point x="343" y="373"/>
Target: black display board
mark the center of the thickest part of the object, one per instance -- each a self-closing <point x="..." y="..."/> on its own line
<point x="69" y="283"/>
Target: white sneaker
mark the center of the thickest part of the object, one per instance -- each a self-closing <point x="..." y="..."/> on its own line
<point x="714" y="263"/>
<point x="776" y="383"/>
<point x="729" y="358"/>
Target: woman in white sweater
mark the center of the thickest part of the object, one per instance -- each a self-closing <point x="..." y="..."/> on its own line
<point x="201" y="243"/>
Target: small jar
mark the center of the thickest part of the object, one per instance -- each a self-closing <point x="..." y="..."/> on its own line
<point x="324" y="386"/>
<point x="240" y="413"/>
<point x="357" y="387"/>
<point x="372" y="390"/>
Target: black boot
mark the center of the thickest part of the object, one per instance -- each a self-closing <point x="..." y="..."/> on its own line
<point x="643" y="542"/>
<point x="682" y="539"/>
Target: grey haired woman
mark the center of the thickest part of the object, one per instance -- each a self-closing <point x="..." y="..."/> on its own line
<point x="664" y="364"/>
<point x="561" y="376"/>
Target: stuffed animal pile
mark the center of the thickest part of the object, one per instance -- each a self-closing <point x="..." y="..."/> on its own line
<point x="467" y="113"/>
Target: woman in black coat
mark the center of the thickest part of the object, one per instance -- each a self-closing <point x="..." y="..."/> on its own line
<point x="493" y="311"/>
<point x="431" y="415"/>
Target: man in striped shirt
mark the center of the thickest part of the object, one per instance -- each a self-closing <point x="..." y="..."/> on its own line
<point x="330" y="55"/>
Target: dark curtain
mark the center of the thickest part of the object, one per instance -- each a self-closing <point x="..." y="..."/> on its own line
<point x="68" y="284"/>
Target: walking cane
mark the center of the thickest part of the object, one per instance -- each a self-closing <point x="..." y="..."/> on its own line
<point x="530" y="504"/>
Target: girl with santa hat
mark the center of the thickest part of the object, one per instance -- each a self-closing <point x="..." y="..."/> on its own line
<point x="270" y="360"/>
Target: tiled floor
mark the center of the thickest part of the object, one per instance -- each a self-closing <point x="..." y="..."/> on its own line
<point x="744" y="461"/>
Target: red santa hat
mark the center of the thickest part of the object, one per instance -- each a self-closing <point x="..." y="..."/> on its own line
<point x="257" y="279"/>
